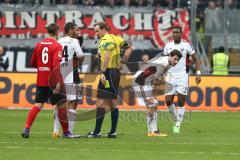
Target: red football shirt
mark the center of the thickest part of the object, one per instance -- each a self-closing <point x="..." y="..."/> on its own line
<point x="46" y="56"/>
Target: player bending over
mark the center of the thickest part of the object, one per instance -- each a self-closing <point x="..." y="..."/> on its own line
<point x="153" y="73"/>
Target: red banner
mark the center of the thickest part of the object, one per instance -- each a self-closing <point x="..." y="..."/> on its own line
<point x="141" y="25"/>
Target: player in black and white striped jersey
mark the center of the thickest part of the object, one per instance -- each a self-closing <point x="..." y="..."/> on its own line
<point x="71" y="59"/>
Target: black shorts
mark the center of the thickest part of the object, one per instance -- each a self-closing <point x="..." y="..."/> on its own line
<point x="43" y="94"/>
<point x="113" y="76"/>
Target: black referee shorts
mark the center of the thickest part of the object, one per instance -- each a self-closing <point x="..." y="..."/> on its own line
<point x="113" y="76"/>
<point x="43" y="94"/>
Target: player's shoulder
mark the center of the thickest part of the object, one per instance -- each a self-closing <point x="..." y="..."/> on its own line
<point x="161" y="60"/>
<point x="67" y="38"/>
<point x="108" y="38"/>
<point x="46" y="42"/>
<point x="185" y="42"/>
<point x="170" y="43"/>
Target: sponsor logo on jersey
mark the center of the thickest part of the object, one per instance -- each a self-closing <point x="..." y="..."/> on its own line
<point x="44" y="69"/>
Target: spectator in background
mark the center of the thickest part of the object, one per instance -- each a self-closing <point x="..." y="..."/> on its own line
<point x="88" y="2"/>
<point x="4" y="61"/>
<point x="142" y="3"/>
<point x="145" y="58"/>
<point x="220" y="62"/>
<point x="212" y="23"/>
<point x="110" y="3"/>
<point x="167" y="3"/>
<point x="212" y="19"/>
<point x="71" y="2"/>
<point x="232" y="4"/>
<point x="126" y="3"/>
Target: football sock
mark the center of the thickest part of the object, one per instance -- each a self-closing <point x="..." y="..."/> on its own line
<point x="56" y="123"/>
<point x="32" y="114"/>
<point x="63" y="119"/>
<point x="180" y="116"/>
<point x="155" y="121"/>
<point x="150" y="123"/>
<point x="114" y="118"/>
<point x="72" y="114"/>
<point x="99" y="119"/>
<point x="172" y="110"/>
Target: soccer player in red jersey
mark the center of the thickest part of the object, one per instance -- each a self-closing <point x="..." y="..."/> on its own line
<point x="46" y="58"/>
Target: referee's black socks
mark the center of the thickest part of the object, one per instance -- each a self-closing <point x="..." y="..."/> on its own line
<point x="99" y="119"/>
<point x="114" y="118"/>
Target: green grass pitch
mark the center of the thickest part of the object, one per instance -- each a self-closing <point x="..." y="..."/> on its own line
<point x="205" y="136"/>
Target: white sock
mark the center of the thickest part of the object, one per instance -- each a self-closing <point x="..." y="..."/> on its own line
<point x="180" y="116"/>
<point x="155" y="120"/>
<point x="150" y="123"/>
<point x="172" y="110"/>
<point x="72" y="114"/>
<point x="56" y="123"/>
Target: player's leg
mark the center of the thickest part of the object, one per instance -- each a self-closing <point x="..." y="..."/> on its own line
<point x="42" y="94"/>
<point x="171" y="107"/>
<point x="72" y="114"/>
<point x="100" y="110"/>
<point x="61" y="105"/>
<point x="100" y="114"/>
<point x="73" y="93"/>
<point x="150" y="121"/>
<point x="113" y="76"/>
<point x="182" y="90"/>
<point x="180" y="110"/>
<point x="170" y="91"/>
<point x="113" y="104"/>
<point x="56" y="123"/>
<point x="152" y="118"/>
<point x="56" y="100"/>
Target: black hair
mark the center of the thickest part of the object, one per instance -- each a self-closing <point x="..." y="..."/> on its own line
<point x="52" y="28"/>
<point x="177" y="27"/>
<point x="68" y="26"/>
<point x="221" y="49"/>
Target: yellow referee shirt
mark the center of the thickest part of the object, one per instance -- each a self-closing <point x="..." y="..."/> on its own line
<point x="110" y="43"/>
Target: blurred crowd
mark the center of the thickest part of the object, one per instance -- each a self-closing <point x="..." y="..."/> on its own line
<point x="159" y="3"/>
<point x="202" y="4"/>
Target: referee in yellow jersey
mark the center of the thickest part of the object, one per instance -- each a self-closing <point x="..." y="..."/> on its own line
<point x="109" y="47"/>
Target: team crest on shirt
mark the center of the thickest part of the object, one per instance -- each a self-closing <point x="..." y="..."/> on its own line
<point x="181" y="50"/>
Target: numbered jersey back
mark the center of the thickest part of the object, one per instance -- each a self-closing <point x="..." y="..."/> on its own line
<point x="71" y="50"/>
<point x="46" y="55"/>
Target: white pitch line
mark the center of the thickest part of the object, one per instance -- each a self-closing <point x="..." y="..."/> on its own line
<point x="115" y="150"/>
<point x="184" y="133"/>
<point x="119" y="143"/>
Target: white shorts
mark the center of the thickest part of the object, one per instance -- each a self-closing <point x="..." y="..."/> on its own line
<point x="176" y="84"/>
<point x="144" y="96"/>
<point x="73" y="91"/>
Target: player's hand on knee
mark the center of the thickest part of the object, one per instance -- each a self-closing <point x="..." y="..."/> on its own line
<point x="150" y="101"/>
